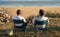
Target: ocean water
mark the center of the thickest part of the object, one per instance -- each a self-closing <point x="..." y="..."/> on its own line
<point x="29" y="3"/>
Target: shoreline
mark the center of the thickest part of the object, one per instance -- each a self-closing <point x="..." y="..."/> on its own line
<point x="28" y="6"/>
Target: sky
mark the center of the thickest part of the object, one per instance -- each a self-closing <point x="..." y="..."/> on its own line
<point x="29" y="0"/>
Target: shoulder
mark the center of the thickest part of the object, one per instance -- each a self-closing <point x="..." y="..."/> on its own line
<point x="21" y="17"/>
<point x="36" y="18"/>
<point x="14" y="17"/>
<point x="46" y="18"/>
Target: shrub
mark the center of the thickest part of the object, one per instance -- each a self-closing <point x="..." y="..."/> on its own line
<point x="29" y="18"/>
<point x="52" y="14"/>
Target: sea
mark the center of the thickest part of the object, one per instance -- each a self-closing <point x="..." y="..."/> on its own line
<point x="30" y="3"/>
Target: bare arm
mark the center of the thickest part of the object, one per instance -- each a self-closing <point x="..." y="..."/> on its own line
<point x="24" y="20"/>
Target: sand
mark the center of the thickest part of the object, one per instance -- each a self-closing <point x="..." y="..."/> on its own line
<point x="27" y="11"/>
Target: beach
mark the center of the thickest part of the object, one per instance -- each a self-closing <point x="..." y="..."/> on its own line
<point x="53" y="26"/>
<point x="27" y="11"/>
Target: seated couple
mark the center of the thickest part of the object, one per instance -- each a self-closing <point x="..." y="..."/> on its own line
<point x="39" y="22"/>
<point x="19" y="16"/>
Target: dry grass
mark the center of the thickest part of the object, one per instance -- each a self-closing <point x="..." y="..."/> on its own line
<point x="27" y="11"/>
<point x="54" y="22"/>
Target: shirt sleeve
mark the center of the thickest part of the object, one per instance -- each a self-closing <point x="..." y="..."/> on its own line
<point x="23" y="19"/>
<point x="47" y="20"/>
<point x="34" y="21"/>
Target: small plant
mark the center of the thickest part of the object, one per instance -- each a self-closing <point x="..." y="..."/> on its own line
<point x="52" y="14"/>
<point x="30" y="18"/>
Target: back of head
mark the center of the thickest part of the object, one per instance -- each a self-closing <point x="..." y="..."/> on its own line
<point x="18" y="12"/>
<point x="41" y="12"/>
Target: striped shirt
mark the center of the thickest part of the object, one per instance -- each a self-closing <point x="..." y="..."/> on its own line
<point x="19" y="18"/>
<point x="41" y="18"/>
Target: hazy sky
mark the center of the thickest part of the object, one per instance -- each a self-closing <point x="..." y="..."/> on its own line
<point x="29" y="0"/>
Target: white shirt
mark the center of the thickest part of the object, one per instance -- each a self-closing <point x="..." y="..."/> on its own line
<point x="41" y="18"/>
<point x="19" y="18"/>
